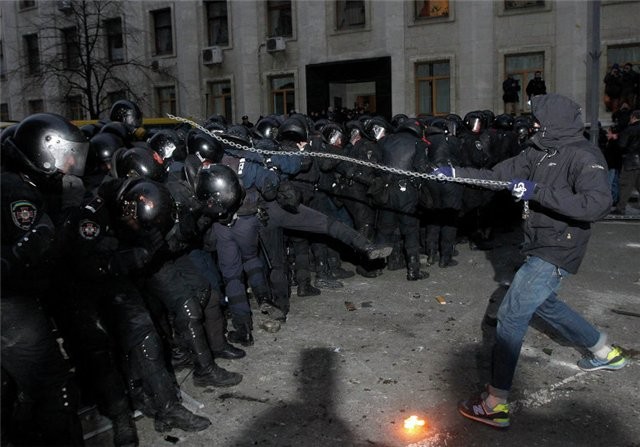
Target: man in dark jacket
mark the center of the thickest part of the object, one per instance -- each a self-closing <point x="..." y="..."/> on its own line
<point x="629" y="144"/>
<point x="536" y="86"/>
<point x="563" y="180"/>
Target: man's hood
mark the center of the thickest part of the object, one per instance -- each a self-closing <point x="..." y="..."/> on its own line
<point x="560" y="121"/>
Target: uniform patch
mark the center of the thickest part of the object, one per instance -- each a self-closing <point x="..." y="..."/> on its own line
<point x="89" y="229"/>
<point x="24" y="214"/>
<point x="597" y="167"/>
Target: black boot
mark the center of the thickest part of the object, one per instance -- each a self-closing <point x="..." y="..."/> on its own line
<point x="177" y="416"/>
<point x="125" y="433"/>
<point x="306" y="289"/>
<point x="357" y="240"/>
<point x="181" y="358"/>
<point x="242" y="334"/>
<point x="413" y="269"/>
<point x="432" y="256"/>
<point x="216" y="376"/>
<point x="324" y="278"/>
<point x="447" y="261"/>
<point x="396" y="260"/>
<point x="360" y="270"/>
<point x="229" y="352"/>
<point x="336" y="269"/>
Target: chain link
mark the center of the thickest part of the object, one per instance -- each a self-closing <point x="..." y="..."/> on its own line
<point x="489" y="184"/>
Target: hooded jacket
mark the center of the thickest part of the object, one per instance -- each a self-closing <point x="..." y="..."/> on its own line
<point x="571" y="176"/>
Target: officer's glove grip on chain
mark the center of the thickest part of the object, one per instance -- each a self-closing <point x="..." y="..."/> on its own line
<point x="522" y="189"/>
<point x="443" y="172"/>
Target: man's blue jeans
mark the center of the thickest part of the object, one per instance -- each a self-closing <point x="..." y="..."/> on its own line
<point x="533" y="291"/>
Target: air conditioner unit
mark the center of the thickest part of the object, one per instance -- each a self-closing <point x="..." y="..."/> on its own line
<point x="276" y="44"/>
<point x="211" y="55"/>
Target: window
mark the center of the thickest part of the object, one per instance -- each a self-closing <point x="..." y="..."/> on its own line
<point x="74" y="111"/>
<point x="71" y="47"/>
<point x="283" y="94"/>
<point x="622" y="54"/>
<point x="4" y="112"/>
<point x="36" y="106"/>
<point x="511" y="5"/>
<point x="433" y="88"/>
<point x="116" y="96"/>
<point x="162" y="32"/>
<point x="523" y="68"/>
<point x="33" y="53"/>
<point x="279" y="18"/>
<point x="426" y="9"/>
<point x="350" y="14"/>
<point x="115" y="43"/>
<point x="166" y="100"/>
<point x="217" y="22"/>
<point x="26" y="4"/>
<point x="219" y="100"/>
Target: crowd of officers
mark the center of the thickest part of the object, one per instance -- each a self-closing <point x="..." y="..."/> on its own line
<point x="124" y="255"/>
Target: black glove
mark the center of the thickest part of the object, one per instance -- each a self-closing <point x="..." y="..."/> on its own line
<point x="269" y="190"/>
<point x="305" y="163"/>
<point x="72" y="191"/>
<point x="125" y="261"/>
<point x="289" y="198"/>
<point x="31" y="248"/>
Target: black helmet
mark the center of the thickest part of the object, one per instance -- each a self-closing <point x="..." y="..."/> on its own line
<point x="454" y="123"/>
<point x="204" y="146"/>
<point x="219" y="187"/>
<point x="47" y="143"/>
<point x="145" y="204"/>
<point x="294" y="129"/>
<point x="503" y="121"/>
<point x="101" y="149"/>
<point x="120" y="130"/>
<point x="411" y="125"/>
<point x="523" y="127"/>
<point x="490" y="117"/>
<point x="138" y="161"/>
<point x="168" y="144"/>
<point x="126" y="112"/>
<point x="437" y="126"/>
<point x="475" y="121"/>
<point x="320" y="123"/>
<point x="239" y="134"/>
<point x="377" y="127"/>
<point x="215" y="119"/>
<point x="333" y="134"/>
<point x="267" y="127"/>
<point x="355" y="127"/>
<point x="91" y="130"/>
<point x="397" y="119"/>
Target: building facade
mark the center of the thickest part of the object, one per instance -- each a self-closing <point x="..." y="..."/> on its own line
<point x="256" y="57"/>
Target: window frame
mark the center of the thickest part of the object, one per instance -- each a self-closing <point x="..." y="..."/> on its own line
<point x="208" y="5"/>
<point x="30" y="106"/>
<point x="157" y="35"/>
<point x="32" y="53"/>
<point x="227" y="98"/>
<point x="280" y="91"/>
<point x="347" y="28"/>
<point x="160" y="102"/>
<point x="74" y="107"/>
<point x="268" y="9"/>
<point x="433" y="80"/>
<point x="71" y="41"/>
<point x="25" y="5"/>
<point x="112" y="37"/>
<point x="503" y="10"/>
<point x="523" y="75"/>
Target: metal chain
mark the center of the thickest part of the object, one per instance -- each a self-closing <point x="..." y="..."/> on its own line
<point x="489" y="184"/>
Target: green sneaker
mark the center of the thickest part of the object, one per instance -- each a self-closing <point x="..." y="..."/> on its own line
<point x="615" y="360"/>
<point x="476" y="409"/>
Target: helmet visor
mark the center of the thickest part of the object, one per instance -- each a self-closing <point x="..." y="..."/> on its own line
<point x="69" y="157"/>
<point x="378" y="131"/>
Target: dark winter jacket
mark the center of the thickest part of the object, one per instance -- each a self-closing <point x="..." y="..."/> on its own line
<point x="572" y="187"/>
<point x="629" y="144"/>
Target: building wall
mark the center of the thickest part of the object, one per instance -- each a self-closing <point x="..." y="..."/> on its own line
<point x="475" y="38"/>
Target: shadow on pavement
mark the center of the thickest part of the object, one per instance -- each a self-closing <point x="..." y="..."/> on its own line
<point x="310" y="420"/>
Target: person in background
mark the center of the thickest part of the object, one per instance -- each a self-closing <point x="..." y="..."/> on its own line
<point x="510" y="96"/>
<point x="536" y="86"/>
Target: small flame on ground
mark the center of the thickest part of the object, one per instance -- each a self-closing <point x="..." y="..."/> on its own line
<point x="413" y="423"/>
